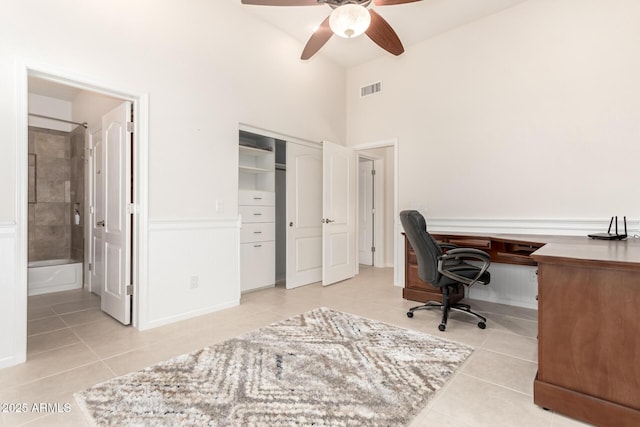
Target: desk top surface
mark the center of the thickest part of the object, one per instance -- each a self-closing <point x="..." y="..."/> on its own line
<point x="608" y="251"/>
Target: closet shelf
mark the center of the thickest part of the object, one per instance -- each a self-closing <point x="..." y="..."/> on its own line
<point x="252" y="151"/>
<point x="252" y="169"/>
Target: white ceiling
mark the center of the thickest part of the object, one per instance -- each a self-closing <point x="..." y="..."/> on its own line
<point x="413" y="22"/>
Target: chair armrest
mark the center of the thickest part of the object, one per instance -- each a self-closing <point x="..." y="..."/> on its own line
<point x="461" y="254"/>
<point x="468" y="253"/>
<point x="447" y="246"/>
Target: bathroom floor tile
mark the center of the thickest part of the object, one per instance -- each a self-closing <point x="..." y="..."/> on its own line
<point x="47" y="324"/>
<point x="72" y="307"/>
<point x="84" y="316"/>
<point x="50" y="341"/>
<point x="35" y="312"/>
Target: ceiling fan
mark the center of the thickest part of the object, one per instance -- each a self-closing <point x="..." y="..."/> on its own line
<point x="349" y="18"/>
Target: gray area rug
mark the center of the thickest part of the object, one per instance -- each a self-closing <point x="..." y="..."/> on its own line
<point x="320" y="368"/>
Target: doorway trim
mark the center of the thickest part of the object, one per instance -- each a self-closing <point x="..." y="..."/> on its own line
<point x="398" y="273"/>
<point x="139" y="255"/>
<point x="379" y="239"/>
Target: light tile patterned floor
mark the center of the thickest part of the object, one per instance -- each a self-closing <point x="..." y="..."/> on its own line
<point x="73" y="345"/>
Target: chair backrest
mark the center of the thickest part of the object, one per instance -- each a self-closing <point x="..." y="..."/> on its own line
<point x="426" y="248"/>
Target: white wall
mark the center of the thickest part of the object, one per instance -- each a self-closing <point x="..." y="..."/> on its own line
<point x="515" y="115"/>
<point x="207" y="66"/>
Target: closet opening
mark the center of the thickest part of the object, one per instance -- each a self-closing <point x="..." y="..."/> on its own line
<point x="280" y="205"/>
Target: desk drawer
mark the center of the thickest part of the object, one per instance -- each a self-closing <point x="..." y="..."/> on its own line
<point x="466" y="242"/>
<point x="257" y="214"/>
<point x="258" y="232"/>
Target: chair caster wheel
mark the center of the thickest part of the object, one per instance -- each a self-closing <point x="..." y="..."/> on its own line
<point x="442" y="327"/>
<point x="482" y="325"/>
<point x="409" y="314"/>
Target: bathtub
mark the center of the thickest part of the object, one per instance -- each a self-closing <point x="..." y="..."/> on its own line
<point x="54" y="276"/>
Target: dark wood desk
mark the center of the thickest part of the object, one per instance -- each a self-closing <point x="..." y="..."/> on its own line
<point x="588" y="331"/>
<point x="588" y="319"/>
<point x="503" y="248"/>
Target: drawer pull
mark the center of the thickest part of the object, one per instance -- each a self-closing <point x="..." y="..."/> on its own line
<point x="257" y="232"/>
<point x="257" y="246"/>
<point x="257" y="198"/>
<point x="257" y="214"/>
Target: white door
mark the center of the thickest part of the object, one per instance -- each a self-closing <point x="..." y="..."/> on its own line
<point x="365" y="211"/>
<point x="339" y="218"/>
<point x="304" y="215"/>
<point x="116" y="246"/>
<point x="96" y="213"/>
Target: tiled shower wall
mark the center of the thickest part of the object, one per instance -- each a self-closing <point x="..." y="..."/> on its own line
<point x="52" y="174"/>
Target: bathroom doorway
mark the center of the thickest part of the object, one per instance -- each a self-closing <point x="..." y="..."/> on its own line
<point x="68" y="185"/>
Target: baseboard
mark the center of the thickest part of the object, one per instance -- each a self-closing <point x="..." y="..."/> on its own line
<point x="191" y="314"/>
<point x="8" y="361"/>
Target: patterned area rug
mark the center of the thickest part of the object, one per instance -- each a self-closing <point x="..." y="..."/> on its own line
<point x="320" y="368"/>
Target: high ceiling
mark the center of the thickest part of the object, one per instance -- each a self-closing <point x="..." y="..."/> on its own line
<point x="413" y="22"/>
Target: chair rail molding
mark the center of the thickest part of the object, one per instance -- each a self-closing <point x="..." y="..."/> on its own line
<point x="561" y="227"/>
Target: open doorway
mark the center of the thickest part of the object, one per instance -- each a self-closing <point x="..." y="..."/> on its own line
<point x="377" y="204"/>
<point x="64" y="164"/>
<point x="367" y="213"/>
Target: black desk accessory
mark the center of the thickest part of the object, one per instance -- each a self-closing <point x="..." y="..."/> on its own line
<point x="609" y="235"/>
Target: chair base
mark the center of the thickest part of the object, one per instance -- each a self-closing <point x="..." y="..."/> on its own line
<point x="463" y="308"/>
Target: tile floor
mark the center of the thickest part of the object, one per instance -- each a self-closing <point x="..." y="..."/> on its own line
<point x="73" y="345"/>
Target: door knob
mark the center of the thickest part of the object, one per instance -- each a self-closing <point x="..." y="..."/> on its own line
<point x="100" y="223"/>
<point x="327" y="220"/>
<point x="291" y="224"/>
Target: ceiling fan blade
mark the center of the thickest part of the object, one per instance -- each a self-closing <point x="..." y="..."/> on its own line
<point x="282" y="2"/>
<point x="390" y="2"/>
<point x="383" y="35"/>
<point x="317" y="39"/>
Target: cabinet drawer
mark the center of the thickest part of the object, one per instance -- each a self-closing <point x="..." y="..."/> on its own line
<point x="257" y="213"/>
<point x="470" y="242"/>
<point x="258" y="265"/>
<point x="254" y="197"/>
<point x="258" y="232"/>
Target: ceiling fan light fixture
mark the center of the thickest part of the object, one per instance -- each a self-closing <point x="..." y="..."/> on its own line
<point x="349" y="20"/>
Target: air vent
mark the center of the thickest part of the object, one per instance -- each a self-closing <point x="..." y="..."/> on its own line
<point x="371" y="89"/>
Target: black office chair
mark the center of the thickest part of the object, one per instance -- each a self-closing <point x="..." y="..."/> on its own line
<point x="447" y="270"/>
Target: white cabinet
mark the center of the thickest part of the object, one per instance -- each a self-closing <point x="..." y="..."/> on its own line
<point x="256" y="206"/>
<point x="258" y="265"/>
